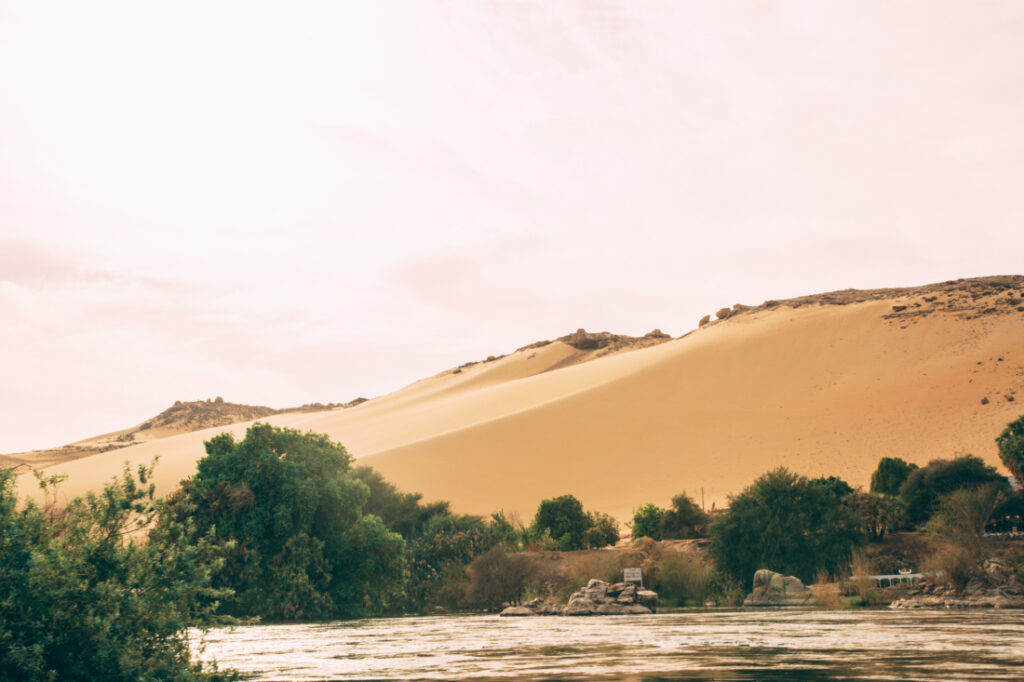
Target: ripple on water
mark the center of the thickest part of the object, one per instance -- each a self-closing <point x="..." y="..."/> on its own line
<point x="722" y="645"/>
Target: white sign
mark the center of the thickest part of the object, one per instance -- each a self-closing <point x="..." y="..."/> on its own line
<point x="632" y="575"/>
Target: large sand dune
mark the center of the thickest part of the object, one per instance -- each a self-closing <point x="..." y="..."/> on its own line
<point x="823" y="385"/>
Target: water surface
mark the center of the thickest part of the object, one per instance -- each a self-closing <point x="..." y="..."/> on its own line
<point x="690" y="645"/>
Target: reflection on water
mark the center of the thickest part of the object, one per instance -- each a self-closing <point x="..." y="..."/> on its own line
<point x="692" y="645"/>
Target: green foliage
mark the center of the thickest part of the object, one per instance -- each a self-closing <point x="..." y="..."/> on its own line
<point x="603" y="531"/>
<point x="684" y="519"/>
<point x="563" y="517"/>
<point x="1011" y="448"/>
<point x="403" y="513"/>
<point x="446" y="545"/>
<point x="835" y="485"/>
<point x="960" y="518"/>
<point x="84" y="597"/>
<point x="788" y="524"/>
<point x="289" y="513"/>
<point x="881" y="513"/>
<point x="647" y="521"/>
<point x="890" y="475"/>
<point x="563" y="520"/>
<point x="923" y="488"/>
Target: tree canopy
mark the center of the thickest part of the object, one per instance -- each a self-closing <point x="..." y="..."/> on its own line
<point x="1011" y="448"/>
<point x="890" y="475"/>
<point x="684" y="519"/>
<point x="788" y="524"/>
<point x="923" y="488"/>
<point x="570" y="527"/>
<point x="290" y="515"/>
<point x="647" y="521"/>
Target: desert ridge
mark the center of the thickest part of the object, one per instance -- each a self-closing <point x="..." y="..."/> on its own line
<point x="820" y="387"/>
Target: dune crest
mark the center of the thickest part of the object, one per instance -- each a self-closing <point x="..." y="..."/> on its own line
<point x="824" y="385"/>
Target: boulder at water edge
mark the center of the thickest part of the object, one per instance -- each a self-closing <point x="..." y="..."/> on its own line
<point x="775" y="589"/>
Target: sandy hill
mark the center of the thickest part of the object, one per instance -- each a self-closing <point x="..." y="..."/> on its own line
<point x="181" y="417"/>
<point x="823" y="384"/>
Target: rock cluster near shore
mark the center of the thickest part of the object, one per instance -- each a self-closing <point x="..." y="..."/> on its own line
<point x="996" y="588"/>
<point x="598" y="598"/>
<point x="775" y="589"/>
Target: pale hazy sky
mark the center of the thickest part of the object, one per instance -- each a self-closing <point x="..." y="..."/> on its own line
<point x="290" y="202"/>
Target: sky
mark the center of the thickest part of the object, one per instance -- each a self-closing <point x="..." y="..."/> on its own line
<point x="282" y="203"/>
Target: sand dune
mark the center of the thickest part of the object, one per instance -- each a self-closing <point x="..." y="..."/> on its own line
<point x="821" y="388"/>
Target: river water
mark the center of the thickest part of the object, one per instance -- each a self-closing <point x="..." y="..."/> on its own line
<point x="686" y="645"/>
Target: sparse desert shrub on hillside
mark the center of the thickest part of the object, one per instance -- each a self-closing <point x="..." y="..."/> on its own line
<point x="788" y="524"/>
<point x="647" y="521"/>
<point x="890" y="475"/>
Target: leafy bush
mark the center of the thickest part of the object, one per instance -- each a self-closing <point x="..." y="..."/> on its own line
<point x="289" y="514"/>
<point x="445" y="546"/>
<point x="788" y="524"/>
<point x="685" y="580"/>
<point x="403" y="513"/>
<point x="890" y="475"/>
<point x="497" y="578"/>
<point x="84" y="597"/>
<point x="960" y="518"/>
<point x="684" y="519"/>
<point x="603" y="531"/>
<point x="647" y="521"/>
<point x="923" y="488"/>
<point x="1011" y="448"/>
<point x="881" y="513"/>
<point x="563" y="519"/>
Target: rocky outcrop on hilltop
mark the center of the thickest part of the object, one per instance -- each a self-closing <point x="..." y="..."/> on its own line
<point x="181" y="417"/>
<point x="963" y="298"/>
<point x="997" y="587"/>
<point x="775" y="589"/>
<point x="598" y="598"/>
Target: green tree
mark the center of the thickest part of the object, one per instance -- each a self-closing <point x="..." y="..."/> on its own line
<point x="84" y="596"/>
<point x="881" y="513"/>
<point x="289" y="512"/>
<point x="603" y="531"/>
<point x="684" y="519"/>
<point x="1011" y="448"/>
<point x="403" y="513"/>
<point x="563" y="517"/>
<point x="647" y="521"/>
<point x="923" y="487"/>
<point x="890" y="475"/>
<point x="788" y="524"/>
<point x="446" y="545"/>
